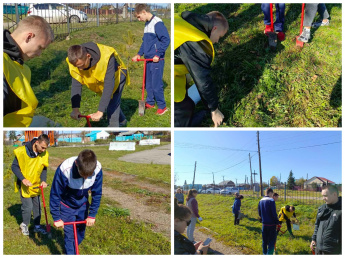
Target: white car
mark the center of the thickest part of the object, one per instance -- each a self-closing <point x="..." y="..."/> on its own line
<point x="56" y="13"/>
<point x="212" y="190"/>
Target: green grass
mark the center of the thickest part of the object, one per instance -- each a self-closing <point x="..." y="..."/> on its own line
<point x="289" y="87"/>
<point x="51" y="81"/>
<point x="217" y="216"/>
<point x="114" y="232"/>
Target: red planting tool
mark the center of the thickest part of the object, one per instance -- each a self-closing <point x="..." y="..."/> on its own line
<point x="87" y="119"/>
<point x="45" y="211"/>
<point x="300" y="43"/>
<point x="142" y="101"/>
<point x="272" y="36"/>
<point x="74" y="223"/>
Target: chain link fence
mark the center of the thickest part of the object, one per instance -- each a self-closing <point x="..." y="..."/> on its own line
<point x="66" y="18"/>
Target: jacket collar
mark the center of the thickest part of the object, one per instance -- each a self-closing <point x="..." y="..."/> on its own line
<point x="75" y="172"/>
<point x="11" y="48"/>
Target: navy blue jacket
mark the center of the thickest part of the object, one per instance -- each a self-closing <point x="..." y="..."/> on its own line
<point x="156" y="39"/>
<point x="267" y="211"/>
<point x="72" y="190"/>
<point x="237" y="206"/>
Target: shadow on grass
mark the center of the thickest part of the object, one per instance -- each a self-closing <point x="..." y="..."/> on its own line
<point x="39" y="240"/>
<point x="335" y="99"/>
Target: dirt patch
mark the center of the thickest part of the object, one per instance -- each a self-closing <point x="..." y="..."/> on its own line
<point x="140" y="211"/>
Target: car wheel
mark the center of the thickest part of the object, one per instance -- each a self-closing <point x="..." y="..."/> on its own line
<point x="208" y="192"/>
<point x="74" y="19"/>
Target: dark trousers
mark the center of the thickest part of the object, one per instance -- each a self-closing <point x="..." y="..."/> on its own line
<point x="280" y="16"/>
<point x="70" y="215"/>
<point x="237" y="221"/>
<point x="184" y="111"/>
<point x="269" y="236"/>
<point x="154" y="84"/>
<point x="114" y="112"/>
<point x="29" y="205"/>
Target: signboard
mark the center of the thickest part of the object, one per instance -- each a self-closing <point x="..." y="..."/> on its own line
<point x="150" y="142"/>
<point x="118" y="146"/>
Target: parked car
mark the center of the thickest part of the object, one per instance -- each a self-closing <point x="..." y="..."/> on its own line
<point x="212" y="190"/>
<point x="56" y="13"/>
<point x="229" y="190"/>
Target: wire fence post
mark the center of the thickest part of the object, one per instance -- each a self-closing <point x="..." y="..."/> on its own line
<point x="285" y="192"/>
<point x="97" y="15"/>
<point x="117" y="13"/>
<point x="68" y="24"/>
<point x="17" y="13"/>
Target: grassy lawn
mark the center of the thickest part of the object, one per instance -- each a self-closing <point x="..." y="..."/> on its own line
<point x="114" y="232"/>
<point x="217" y="216"/>
<point x="289" y="87"/>
<point x="52" y="83"/>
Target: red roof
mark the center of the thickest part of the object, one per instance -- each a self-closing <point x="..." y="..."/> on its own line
<point x="325" y="180"/>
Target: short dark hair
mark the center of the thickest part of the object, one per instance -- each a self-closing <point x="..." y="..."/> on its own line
<point x="142" y="7"/>
<point x="275" y="194"/>
<point x="331" y="188"/>
<point x="76" y="52"/>
<point x="43" y="137"/>
<point x="219" y="20"/>
<point x="181" y="211"/>
<point x="269" y="190"/>
<point x="240" y="197"/>
<point x="87" y="162"/>
<point x="292" y="207"/>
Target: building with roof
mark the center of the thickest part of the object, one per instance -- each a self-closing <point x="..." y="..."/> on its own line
<point x="97" y="135"/>
<point x="317" y="181"/>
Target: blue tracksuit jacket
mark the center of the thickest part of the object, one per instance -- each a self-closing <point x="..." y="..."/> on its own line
<point x="156" y="39"/>
<point x="72" y="190"/>
<point x="267" y="211"/>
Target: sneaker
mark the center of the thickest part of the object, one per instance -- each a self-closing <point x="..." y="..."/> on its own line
<point x="161" y="111"/>
<point x="305" y="36"/>
<point x="41" y="230"/>
<point x="148" y="106"/>
<point x="320" y="24"/>
<point x="123" y="123"/>
<point x="281" y="36"/>
<point x="268" y="29"/>
<point x="24" y="228"/>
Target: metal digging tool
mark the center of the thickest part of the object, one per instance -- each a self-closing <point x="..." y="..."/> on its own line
<point x="272" y="36"/>
<point x="142" y="101"/>
<point x="45" y="212"/>
<point x="74" y="223"/>
<point x="87" y="119"/>
<point x="300" y="43"/>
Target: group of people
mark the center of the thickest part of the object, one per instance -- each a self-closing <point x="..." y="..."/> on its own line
<point x="327" y="233"/>
<point x="69" y="194"/>
<point x="96" y="66"/>
<point x="194" y="39"/>
<point x="325" y="240"/>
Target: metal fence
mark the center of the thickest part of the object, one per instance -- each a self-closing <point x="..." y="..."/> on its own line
<point x="66" y="18"/>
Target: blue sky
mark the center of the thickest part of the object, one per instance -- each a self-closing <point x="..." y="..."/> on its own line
<point x="226" y="153"/>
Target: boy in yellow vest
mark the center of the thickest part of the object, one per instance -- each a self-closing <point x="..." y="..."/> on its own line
<point x="32" y="35"/>
<point x="30" y="169"/>
<point x="194" y="36"/>
<point x="285" y="214"/>
<point x="99" y="68"/>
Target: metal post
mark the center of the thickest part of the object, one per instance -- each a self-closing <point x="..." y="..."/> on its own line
<point x="285" y="193"/>
<point x="261" y="190"/>
<point x="17" y="13"/>
<point x="117" y="13"/>
<point x="97" y="15"/>
<point x="68" y="24"/>
<point x="130" y="9"/>
<point x="194" y="175"/>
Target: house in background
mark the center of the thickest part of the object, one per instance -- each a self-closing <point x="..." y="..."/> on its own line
<point x="317" y="181"/>
<point x="97" y="135"/>
<point x="226" y="183"/>
<point x="129" y="136"/>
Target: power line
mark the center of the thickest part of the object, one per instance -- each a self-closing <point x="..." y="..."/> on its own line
<point x="304" y="147"/>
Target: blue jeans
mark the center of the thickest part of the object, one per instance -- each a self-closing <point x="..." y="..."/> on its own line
<point x="69" y="215"/>
<point x="114" y="112"/>
<point x="154" y="84"/>
<point x="280" y="16"/>
<point x="310" y="13"/>
<point x="269" y="236"/>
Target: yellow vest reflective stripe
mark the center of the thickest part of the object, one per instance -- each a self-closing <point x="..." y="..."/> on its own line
<point x="93" y="78"/>
<point x="18" y="78"/>
<point x="31" y="169"/>
<point x="283" y="211"/>
<point x="183" y="32"/>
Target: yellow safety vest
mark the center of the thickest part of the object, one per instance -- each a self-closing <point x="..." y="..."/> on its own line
<point x="283" y="211"/>
<point x="31" y="169"/>
<point x="183" y="32"/>
<point x="93" y="78"/>
<point x="18" y="78"/>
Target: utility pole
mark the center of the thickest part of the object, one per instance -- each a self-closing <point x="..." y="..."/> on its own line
<point x="251" y="174"/>
<point x="213" y="183"/>
<point x="260" y="164"/>
<point x="254" y="178"/>
<point x="236" y="182"/>
<point x="194" y="175"/>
